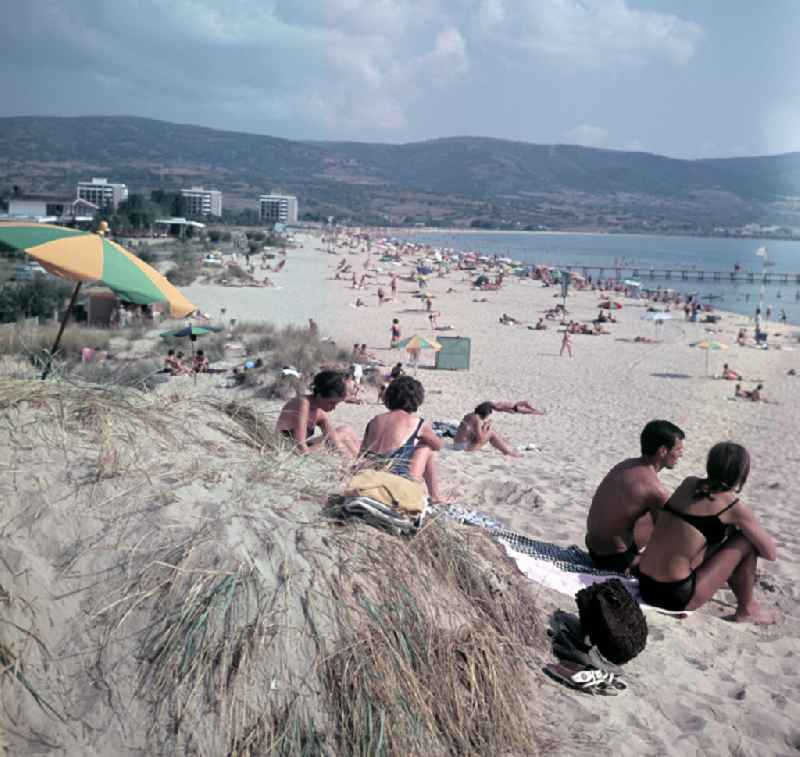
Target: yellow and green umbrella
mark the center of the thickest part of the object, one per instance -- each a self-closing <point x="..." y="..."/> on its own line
<point x="418" y="342"/>
<point x="709" y="345"/>
<point x="81" y="256"/>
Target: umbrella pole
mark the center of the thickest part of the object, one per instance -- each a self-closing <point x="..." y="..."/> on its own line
<point x="64" y="320"/>
<point x="192" y="338"/>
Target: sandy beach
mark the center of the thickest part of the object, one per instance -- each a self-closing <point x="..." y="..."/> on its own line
<point x="703" y="685"/>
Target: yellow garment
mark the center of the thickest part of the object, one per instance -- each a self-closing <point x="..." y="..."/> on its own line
<point x="403" y="494"/>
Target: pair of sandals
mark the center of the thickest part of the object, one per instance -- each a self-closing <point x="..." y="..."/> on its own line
<point x="590" y="680"/>
<point x="580" y="666"/>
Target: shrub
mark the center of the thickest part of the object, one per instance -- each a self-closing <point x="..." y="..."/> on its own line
<point x="32" y="299"/>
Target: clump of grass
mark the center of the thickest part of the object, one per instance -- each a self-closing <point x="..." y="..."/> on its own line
<point x="34" y="342"/>
<point x="137" y="374"/>
<point x="401" y="683"/>
<point x="241" y="620"/>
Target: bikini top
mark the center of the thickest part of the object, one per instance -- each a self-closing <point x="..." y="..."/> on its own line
<point x="709" y="525"/>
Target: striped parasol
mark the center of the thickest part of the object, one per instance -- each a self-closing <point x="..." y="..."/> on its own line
<point x="82" y="256"/>
<point x="709" y="345"/>
<point x="418" y="342"/>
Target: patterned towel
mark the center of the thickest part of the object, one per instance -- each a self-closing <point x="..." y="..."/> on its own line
<point x="570" y="559"/>
<point x="381" y="516"/>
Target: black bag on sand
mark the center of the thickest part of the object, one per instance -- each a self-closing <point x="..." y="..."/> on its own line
<point x="613" y="620"/>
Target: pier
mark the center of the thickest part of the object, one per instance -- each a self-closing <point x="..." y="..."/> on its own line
<point x="684" y="274"/>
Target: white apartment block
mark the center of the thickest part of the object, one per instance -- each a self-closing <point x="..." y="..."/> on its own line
<point x="278" y="209"/>
<point x="202" y="202"/>
<point x="101" y="193"/>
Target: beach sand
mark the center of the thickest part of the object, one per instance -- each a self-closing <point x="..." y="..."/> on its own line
<point x="703" y="685"/>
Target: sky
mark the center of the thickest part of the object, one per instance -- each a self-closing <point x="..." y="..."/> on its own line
<point x="684" y="78"/>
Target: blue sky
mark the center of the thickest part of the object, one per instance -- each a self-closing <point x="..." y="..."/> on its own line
<point x="709" y="78"/>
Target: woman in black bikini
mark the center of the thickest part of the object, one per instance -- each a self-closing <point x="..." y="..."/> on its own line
<point x="705" y="537"/>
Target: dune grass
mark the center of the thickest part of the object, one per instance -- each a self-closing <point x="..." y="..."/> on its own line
<point x="209" y="606"/>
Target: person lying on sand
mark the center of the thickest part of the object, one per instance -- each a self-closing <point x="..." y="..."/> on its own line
<point x="301" y="416"/>
<point x="475" y="430"/>
<point x="709" y="539"/>
<point x="729" y="374"/>
<point x="400" y="441"/>
<point x="623" y="508"/>
<point x="523" y="407"/>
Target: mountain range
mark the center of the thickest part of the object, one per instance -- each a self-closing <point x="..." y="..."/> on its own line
<point x="458" y="181"/>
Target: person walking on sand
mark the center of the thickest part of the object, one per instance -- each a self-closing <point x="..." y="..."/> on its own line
<point x="475" y="430"/>
<point x="400" y="441"/>
<point x="396" y="333"/>
<point x="302" y="416"/>
<point x="705" y="538"/>
<point x="623" y="508"/>
<point x="394" y="286"/>
<point x="566" y="344"/>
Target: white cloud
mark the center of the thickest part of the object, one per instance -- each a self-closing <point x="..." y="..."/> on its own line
<point x="337" y="68"/>
<point x="589" y="33"/>
<point x="586" y="136"/>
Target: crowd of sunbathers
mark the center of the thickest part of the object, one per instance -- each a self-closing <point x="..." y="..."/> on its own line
<point x="397" y="439"/>
<point x="683" y="546"/>
<point x="176" y="364"/>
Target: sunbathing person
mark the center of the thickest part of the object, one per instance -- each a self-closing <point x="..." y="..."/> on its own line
<point x="705" y="538"/>
<point x="475" y="430"/>
<point x="200" y="362"/>
<point x="729" y="374"/>
<point x="523" y="407"/>
<point x="174" y="364"/>
<point x="621" y="515"/>
<point x="302" y="416"/>
<point x="402" y="442"/>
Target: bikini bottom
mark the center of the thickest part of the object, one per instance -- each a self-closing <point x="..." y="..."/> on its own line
<point x="669" y="595"/>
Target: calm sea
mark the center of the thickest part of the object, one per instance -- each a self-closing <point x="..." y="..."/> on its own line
<point x="644" y="252"/>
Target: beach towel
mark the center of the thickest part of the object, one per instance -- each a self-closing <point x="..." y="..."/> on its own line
<point x="445" y="429"/>
<point x="381" y="516"/>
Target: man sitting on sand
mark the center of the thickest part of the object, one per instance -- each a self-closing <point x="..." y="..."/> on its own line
<point x="303" y="415"/>
<point x="475" y="430"/>
<point x="621" y="516"/>
<point x="402" y="442"/>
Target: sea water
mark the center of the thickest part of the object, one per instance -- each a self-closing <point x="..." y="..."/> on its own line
<point x="645" y="252"/>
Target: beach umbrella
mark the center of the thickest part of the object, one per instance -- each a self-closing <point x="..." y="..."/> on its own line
<point x="657" y="316"/>
<point x="709" y="345"/>
<point x="418" y="342"/>
<point x="610" y="305"/>
<point x="632" y="283"/>
<point x="192" y="332"/>
<point x="82" y="256"/>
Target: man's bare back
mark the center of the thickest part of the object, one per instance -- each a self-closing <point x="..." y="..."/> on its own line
<point x="626" y="503"/>
<point x="630" y="491"/>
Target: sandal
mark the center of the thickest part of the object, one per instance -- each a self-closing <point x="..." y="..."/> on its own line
<point x="590" y="680"/>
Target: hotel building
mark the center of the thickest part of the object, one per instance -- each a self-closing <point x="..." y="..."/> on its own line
<point x="278" y="209"/>
<point x="202" y="202"/>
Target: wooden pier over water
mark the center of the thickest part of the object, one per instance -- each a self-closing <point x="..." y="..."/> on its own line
<point x="684" y="274"/>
